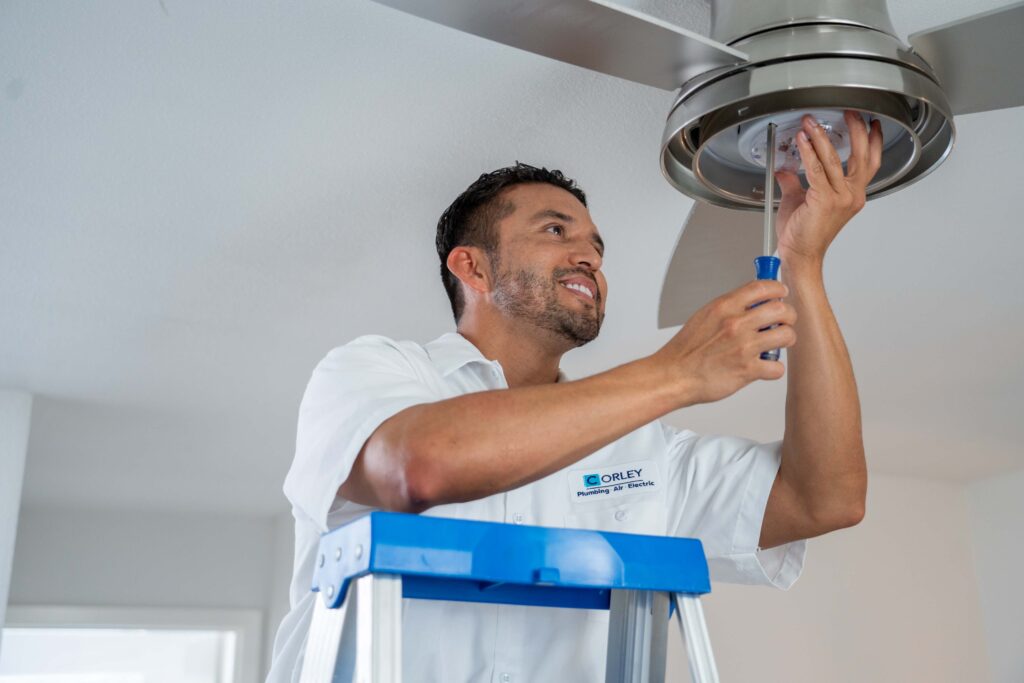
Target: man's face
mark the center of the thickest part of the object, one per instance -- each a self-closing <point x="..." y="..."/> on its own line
<point x="549" y="259"/>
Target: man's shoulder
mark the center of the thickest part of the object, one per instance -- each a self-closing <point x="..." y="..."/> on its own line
<point x="378" y="342"/>
<point x="377" y="347"/>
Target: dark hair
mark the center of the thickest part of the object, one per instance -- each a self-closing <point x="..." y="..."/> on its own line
<point x="472" y="219"/>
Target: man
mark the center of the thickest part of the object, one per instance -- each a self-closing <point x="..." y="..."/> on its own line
<point x="480" y="424"/>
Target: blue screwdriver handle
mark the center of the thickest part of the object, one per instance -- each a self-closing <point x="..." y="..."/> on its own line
<point x="767" y="268"/>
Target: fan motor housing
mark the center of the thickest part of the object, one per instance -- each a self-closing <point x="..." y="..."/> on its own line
<point x="818" y="55"/>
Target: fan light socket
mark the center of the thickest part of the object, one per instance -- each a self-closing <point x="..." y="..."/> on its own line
<point x="753" y="138"/>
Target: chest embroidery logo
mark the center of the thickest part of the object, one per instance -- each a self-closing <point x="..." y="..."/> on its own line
<point x="605" y="482"/>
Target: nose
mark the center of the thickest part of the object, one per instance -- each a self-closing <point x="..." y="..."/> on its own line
<point x="586" y="254"/>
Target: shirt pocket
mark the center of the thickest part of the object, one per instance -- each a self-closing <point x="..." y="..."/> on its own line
<point x="645" y="516"/>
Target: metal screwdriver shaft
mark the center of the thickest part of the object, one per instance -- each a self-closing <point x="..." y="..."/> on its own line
<point x="767" y="266"/>
<point x="769" y="194"/>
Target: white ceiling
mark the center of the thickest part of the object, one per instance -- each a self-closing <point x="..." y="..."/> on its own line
<point x="198" y="200"/>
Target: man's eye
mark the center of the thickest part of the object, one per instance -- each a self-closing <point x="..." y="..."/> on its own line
<point x="556" y="229"/>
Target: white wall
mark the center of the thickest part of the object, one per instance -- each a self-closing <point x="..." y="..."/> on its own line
<point x="891" y="600"/>
<point x="277" y="599"/>
<point x="152" y="559"/>
<point x="997" y="524"/>
<point x="15" y="411"/>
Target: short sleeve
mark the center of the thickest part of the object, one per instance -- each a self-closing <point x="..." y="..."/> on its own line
<point x="721" y="487"/>
<point x="351" y="393"/>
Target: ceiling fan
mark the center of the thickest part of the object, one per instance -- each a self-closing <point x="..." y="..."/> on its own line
<point x="765" y="62"/>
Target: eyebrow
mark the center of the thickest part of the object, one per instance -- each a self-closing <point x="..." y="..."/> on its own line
<point x="565" y="218"/>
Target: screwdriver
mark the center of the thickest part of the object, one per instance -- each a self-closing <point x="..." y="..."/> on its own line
<point x="767" y="266"/>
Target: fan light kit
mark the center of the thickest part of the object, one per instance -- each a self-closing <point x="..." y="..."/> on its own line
<point x="766" y="62"/>
<point x="733" y="159"/>
<point x="850" y="59"/>
<point x="752" y="138"/>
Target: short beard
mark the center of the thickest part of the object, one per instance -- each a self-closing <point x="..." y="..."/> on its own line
<point x="529" y="297"/>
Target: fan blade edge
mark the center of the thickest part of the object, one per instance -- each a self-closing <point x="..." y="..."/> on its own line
<point x="714" y="255"/>
<point x="593" y="34"/>
<point x="978" y="59"/>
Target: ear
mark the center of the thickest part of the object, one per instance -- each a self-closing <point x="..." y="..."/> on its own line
<point x="472" y="267"/>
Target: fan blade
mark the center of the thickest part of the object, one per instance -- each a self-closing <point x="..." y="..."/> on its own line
<point x="714" y="255"/>
<point x="978" y="59"/>
<point x="590" y="33"/>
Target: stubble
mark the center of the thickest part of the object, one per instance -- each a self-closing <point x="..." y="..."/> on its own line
<point x="533" y="298"/>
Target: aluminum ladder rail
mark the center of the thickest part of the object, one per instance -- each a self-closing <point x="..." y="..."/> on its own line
<point x="365" y="568"/>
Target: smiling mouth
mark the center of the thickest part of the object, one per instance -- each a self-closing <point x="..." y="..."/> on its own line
<point x="580" y="290"/>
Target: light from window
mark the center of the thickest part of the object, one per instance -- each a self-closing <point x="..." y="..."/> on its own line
<point x="110" y="655"/>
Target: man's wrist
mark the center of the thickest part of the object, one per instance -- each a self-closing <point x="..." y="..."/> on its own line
<point x="667" y="387"/>
<point x="801" y="269"/>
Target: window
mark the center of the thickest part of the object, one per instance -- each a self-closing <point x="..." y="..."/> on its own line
<point x="98" y="645"/>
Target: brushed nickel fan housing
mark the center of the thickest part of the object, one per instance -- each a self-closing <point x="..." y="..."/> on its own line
<point x="816" y="55"/>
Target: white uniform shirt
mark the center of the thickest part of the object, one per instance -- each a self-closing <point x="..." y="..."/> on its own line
<point x="670" y="482"/>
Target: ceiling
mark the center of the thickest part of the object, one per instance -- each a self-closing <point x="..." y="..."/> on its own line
<point x="198" y="200"/>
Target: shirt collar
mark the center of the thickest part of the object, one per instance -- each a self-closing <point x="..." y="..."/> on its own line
<point x="451" y="351"/>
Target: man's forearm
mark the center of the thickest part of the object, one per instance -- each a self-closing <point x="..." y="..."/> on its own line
<point x="822" y="450"/>
<point x="478" y="444"/>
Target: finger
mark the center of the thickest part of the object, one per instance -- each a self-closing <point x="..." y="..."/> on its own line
<point x="736" y="302"/>
<point x="769" y="313"/>
<point x="859" y="153"/>
<point x="739" y="300"/>
<point x="875" y="148"/>
<point x="790" y="184"/>
<point x="770" y="369"/>
<point x="813" y="168"/>
<point x="827" y="154"/>
<point x="793" y="194"/>
<point x="781" y="337"/>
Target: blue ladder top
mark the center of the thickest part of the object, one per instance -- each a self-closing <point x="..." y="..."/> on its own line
<point x="455" y="559"/>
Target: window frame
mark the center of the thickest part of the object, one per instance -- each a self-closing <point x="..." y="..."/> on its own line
<point x="246" y="624"/>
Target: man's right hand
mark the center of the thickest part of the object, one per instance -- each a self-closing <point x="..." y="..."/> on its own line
<point x="718" y="351"/>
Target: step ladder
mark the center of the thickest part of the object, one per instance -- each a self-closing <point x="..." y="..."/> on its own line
<point x="365" y="568"/>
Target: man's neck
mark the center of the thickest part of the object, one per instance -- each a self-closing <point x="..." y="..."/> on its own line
<point x="527" y="354"/>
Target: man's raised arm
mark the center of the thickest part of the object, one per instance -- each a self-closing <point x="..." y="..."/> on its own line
<point x="822" y="482"/>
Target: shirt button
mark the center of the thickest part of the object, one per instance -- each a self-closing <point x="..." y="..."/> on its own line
<point x="506" y="678"/>
<point x="517" y="519"/>
<point x="620" y="515"/>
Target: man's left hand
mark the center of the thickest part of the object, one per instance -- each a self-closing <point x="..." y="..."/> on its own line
<point x="810" y="219"/>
